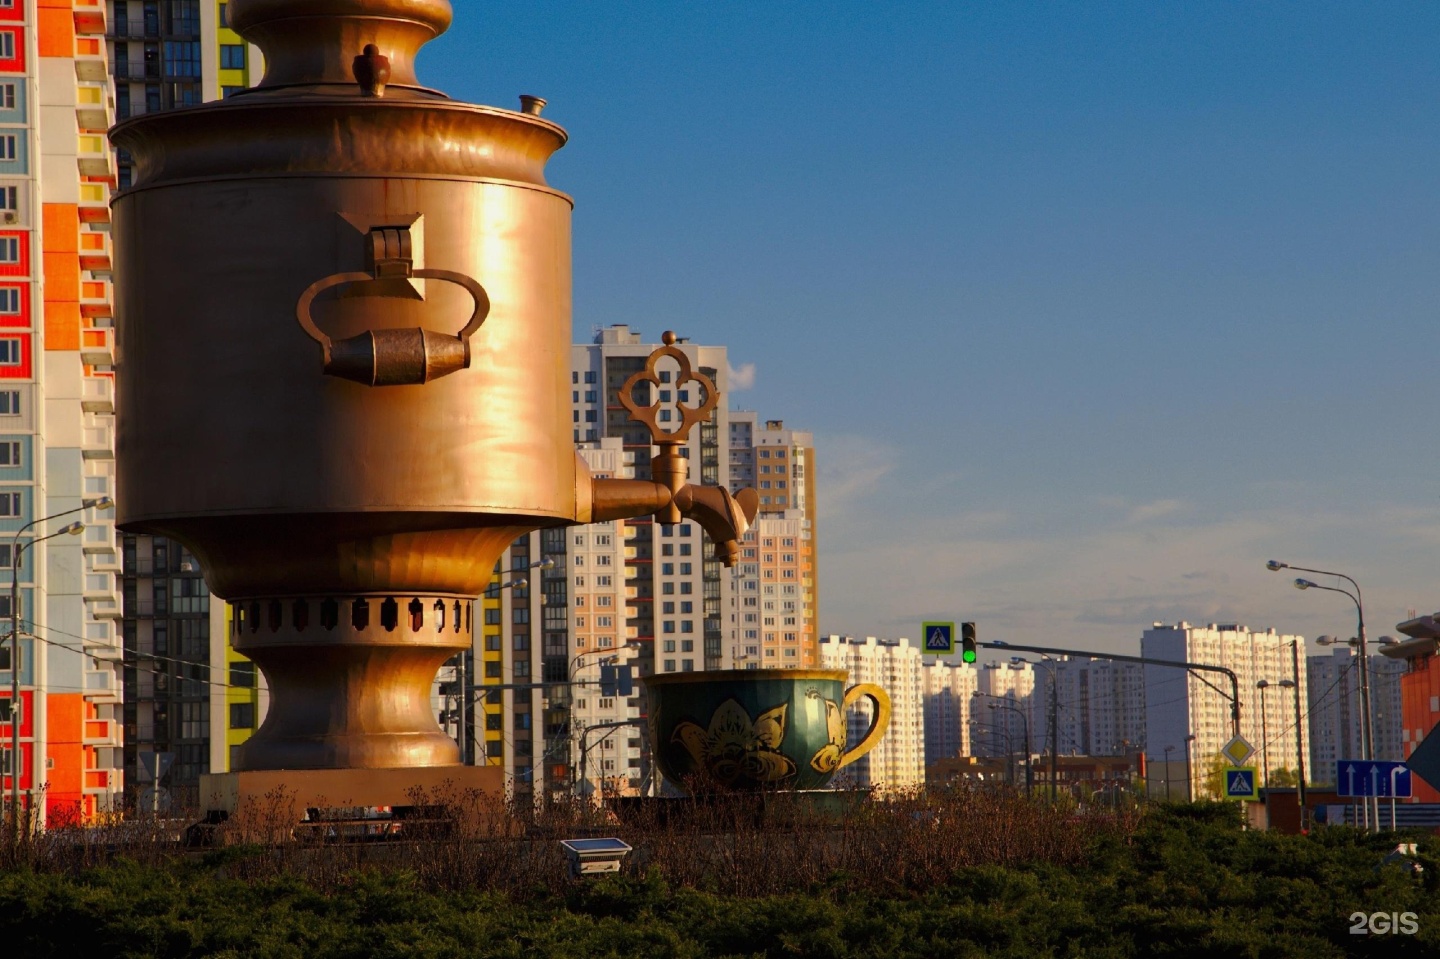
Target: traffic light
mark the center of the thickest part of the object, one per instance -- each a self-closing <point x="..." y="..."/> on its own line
<point x="967" y="642"/>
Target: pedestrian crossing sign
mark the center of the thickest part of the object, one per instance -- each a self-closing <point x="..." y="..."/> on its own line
<point x="1240" y="783"/>
<point x="939" y="638"/>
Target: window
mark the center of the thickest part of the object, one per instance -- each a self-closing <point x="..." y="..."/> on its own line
<point x="669" y="665"/>
<point x="7" y="44"/>
<point x="242" y="715"/>
<point x="688" y="665"/>
<point x="242" y="674"/>
<point x="492" y="670"/>
<point x="687" y="645"/>
<point x="9" y="198"/>
<point x="232" y="56"/>
<point x="687" y="607"/>
<point x="494" y="721"/>
<point x="10" y="453"/>
<point x="230" y="91"/>
<point x="684" y="549"/>
<point x="7" y="96"/>
<point x="5" y="715"/>
<point x="492" y="642"/>
<point x="667" y="569"/>
<point x="669" y="646"/>
<point x="9" y="143"/>
<point x="684" y="569"/>
<point x="9" y="246"/>
<point x="9" y="506"/>
<point x="494" y="749"/>
<point x="667" y="608"/>
<point x="687" y="626"/>
<point x="10" y="300"/>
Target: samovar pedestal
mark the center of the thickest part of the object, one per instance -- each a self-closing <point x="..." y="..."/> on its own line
<point x="283" y="795"/>
<point x="351" y="720"/>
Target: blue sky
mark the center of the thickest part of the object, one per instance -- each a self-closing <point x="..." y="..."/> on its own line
<point x="1093" y="308"/>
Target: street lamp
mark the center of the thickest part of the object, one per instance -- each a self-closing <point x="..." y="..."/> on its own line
<point x="1002" y="703"/>
<point x="1189" y="779"/>
<point x="1367" y="730"/>
<point x="1049" y="665"/>
<point x="1167" y="772"/>
<point x="1263" y="685"/>
<point x="16" y="549"/>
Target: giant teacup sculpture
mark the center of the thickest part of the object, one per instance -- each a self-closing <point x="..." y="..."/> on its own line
<point x="343" y="339"/>
<point x="747" y="729"/>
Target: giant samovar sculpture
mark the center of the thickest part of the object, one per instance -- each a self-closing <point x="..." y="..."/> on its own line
<point x="343" y="354"/>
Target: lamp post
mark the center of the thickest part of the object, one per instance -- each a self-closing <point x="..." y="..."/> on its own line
<point x="1025" y="727"/>
<point x="1049" y="666"/>
<point x="1189" y="779"/>
<point x="1367" y="730"/>
<point x="16" y="549"/>
<point x="1167" y="772"/>
<point x="1263" y="685"/>
<point x="1294" y="685"/>
<point x="1005" y="731"/>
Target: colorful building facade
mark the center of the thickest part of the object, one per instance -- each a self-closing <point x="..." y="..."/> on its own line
<point x="57" y="408"/>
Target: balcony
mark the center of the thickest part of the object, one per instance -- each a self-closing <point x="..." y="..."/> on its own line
<point x="97" y="347"/>
<point x="106" y="608"/>
<point x="89" y="18"/>
<point x="98" y="539"/>
<point x="94" y="157"/>
<point x="95" y="252"/>
<point x="97" y="394"/>
<point x="91" y="65"/>
<point x="103" y="561"/>
<point x="102" y="732"/>
<point x="97" y="780"/>
<point x="94" y="106"/>
<point x="101" y="686"/>
<point x="97" y="435"/>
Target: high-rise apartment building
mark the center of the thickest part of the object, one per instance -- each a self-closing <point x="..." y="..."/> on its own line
<point x="1334" y="711"/>
<point x="898" y="760"/>
<point x="57" y="411"/>
<point x="189" y="698"/>
<point x="774" y="606"/>
<point x="1181" y="703"/>
<point x="173" y="53"/>
<point x="948" y="690"/>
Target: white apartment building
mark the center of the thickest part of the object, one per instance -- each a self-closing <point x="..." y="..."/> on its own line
<point x="948" y="691"/>
<point x="1114" y="697"/>
<point x="898" y="760"/>
<point x="1181" y="703"/>
<point x="1334" y="709"/>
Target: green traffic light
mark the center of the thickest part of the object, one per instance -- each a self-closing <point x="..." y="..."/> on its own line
<point x="968" y="655"/>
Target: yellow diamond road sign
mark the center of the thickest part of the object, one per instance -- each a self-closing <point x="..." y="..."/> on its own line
<point x="1237" y="751"/>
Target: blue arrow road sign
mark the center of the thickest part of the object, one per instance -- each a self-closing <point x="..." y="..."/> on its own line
<point x="1240" y="783"/>
<point x="1373" y="777"/>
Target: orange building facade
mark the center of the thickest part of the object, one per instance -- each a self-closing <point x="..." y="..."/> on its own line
<point x="57" y="408"/>
<point x="1419" y="691"/>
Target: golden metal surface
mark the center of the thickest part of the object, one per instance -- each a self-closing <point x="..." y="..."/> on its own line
<point x="342" y="206"/>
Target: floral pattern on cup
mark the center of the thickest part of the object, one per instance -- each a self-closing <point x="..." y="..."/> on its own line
<point x="735" y="748"/>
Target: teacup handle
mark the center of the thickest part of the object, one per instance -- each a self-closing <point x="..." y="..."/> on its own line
<point x="879" y="722"/>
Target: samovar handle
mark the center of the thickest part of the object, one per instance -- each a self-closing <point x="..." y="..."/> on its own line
<point x="393" y="357"/>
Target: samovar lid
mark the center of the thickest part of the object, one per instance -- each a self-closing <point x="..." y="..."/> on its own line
<point x="314" y="42"/>
<point x="339" y="98"/>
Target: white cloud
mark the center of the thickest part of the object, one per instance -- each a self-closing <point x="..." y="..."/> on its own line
<point x="741" y="377"/>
